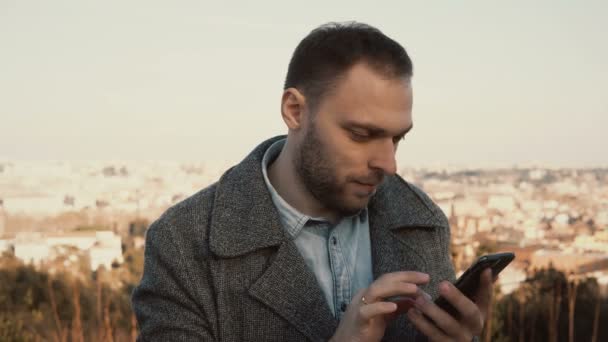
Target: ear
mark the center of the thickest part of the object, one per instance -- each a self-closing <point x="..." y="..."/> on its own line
<point x="293" y="108"/>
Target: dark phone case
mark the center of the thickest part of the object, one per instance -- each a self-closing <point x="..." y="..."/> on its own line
<point x="468" y="283"/>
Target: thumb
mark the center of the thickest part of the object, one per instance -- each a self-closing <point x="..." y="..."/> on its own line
<point x="483" y="299"/>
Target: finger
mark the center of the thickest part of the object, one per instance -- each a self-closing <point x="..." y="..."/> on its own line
<point x="483" y="297"/>
<point x="425" y="326"/>
<point x="369" y="311"/>
<point x="441" y="318"/>
<point x="469" y="311"/>
<point x="405" y="276"/>
<point x="394" y="284"/>
<point x="494" y="278"/>
<point x="404" y="304"/>
<point x="394" y="291"/>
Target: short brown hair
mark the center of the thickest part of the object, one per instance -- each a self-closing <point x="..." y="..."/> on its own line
<point x="327" y="52"/>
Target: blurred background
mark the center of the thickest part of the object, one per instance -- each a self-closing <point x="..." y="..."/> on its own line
<point x="112" y="111"/>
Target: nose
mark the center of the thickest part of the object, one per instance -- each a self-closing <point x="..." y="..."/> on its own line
<point x="384" y="158"/>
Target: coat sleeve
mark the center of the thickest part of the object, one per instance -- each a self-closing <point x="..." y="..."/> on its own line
<point x="164" y="301"/>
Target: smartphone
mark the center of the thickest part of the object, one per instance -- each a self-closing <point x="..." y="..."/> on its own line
<point x="468" y="282"/>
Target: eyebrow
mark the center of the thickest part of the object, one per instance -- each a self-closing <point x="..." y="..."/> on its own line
<point x="375" y="130"/>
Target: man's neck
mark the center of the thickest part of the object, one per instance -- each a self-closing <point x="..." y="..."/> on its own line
<point x="285" y="180"/>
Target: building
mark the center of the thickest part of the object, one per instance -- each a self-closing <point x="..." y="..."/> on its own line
<point x="103" y="247"/>
<point x="31" y="248"/>
<point x="106" y="250"/>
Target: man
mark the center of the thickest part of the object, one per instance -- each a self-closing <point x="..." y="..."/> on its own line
<point x="308" y="236"/>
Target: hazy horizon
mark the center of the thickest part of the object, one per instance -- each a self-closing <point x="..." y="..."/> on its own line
<point x="511" y="83"/>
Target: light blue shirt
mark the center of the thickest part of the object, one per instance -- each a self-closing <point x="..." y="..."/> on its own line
<point x="339" y="255"/>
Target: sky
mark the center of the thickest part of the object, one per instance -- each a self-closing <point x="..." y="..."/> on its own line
<point x="510" y="82"/>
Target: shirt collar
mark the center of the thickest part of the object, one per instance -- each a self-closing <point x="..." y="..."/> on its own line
<point x="293" y="220"/>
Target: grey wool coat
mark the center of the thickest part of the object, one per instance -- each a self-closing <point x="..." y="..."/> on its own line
<point x="219" y="267"/>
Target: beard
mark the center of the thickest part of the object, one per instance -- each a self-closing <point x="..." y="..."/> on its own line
<point x="317" y="171"/>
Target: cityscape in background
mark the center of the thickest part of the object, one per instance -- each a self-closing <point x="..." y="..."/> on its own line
<point x="78" y="218"/>
<point x="546" y="216"/>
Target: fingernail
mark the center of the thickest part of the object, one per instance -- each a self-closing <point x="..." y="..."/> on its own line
<point x="445" y="287"/>
<point x="420" y="301"/>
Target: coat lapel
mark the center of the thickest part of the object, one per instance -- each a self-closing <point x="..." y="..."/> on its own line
<point x="290" y="288"/>
<point x="244" y="220"/>
<point x="397" y="216"/>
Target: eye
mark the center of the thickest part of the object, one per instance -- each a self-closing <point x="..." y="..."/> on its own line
<point x="397" y="139"/>
<point x="359" y="136"/>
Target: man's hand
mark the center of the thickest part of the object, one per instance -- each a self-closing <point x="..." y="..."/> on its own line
<point x="443" y="326"/>
<point x="368" y="314"/>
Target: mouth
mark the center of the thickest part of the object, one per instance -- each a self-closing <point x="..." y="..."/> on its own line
<point x="370" y="181"/>
<point x="367" y="187"/>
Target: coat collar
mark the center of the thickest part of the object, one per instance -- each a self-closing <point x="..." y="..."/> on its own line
<point x="244" y="218"/>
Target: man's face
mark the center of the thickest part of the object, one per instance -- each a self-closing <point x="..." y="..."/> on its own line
<point x="348" y="146"/>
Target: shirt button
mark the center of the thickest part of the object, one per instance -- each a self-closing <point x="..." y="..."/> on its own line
<point x="343" y="307"/>
<point x="334" y="240"/>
